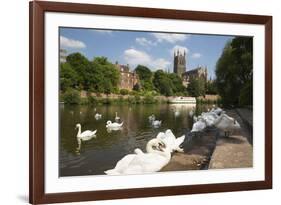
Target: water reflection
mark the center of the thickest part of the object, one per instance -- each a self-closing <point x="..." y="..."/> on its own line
<point x="96" y="155"/>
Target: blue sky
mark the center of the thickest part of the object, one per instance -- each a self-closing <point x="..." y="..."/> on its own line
<point x="154" y="50"/>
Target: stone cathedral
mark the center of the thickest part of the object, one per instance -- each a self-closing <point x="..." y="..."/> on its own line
<point x="181" y="71"/>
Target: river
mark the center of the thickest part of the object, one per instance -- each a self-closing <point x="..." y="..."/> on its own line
<point x="101" y="153"/>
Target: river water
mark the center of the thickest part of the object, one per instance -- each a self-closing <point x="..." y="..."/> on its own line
<point x="101" y="153"/>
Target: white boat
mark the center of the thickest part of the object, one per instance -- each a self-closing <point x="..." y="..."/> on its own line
<point x="183" y="100"/>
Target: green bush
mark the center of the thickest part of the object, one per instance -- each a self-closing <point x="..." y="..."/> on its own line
<point x="148" y="99"/>
<point x="124" y="92"/>
<point x="71" y="96"/>
<point x="92" y="100"/>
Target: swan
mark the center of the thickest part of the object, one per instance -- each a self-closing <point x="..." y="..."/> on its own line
<point x="210" y="118"/>
<point x="151" y="117"/>
<point x="113" y="125"/>
<point x="168" y="138"/>
<point x="195" y="119"/>
<point x="227" y="124"/>
<point x="98" y="116"/>
<point x="177" y="144"/>
<point x="156" y="123"/>
<point x="154" y="160"/>
<point x="191" y="113"/>
<point x="199" y="126"/>
<point x="117" y="118"/>
<point x="84" y="136"/>
<point x="217" y="110"/>
<point x="177" y="113"/>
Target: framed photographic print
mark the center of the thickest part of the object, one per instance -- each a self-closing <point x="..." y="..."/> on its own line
<point x="138" y="102"/>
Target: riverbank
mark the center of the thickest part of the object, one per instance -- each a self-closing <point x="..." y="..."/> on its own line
<point x="212" y="151"/>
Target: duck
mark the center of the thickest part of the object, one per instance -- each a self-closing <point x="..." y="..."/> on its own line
<point x="156" y="123"/>
<point x="98" y="116"/>
<point x="151" y="117"/>
<point x="227" y="124"/>
<point x="156" y="157"/>
<point x="117" y="118"/>
<point x="113" y="125"/>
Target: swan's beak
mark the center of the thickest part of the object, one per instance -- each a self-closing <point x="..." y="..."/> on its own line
<point x="161" y="146"/>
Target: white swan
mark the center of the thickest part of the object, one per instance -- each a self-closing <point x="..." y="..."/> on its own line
<point x="98" y="116"/>
<point x="113" y="125"/>
<point x="199" y="126"/>
<point x="168" y="138"/>
<point x="217" y="110"/>
<point x="117" y="118"/>
<point x="227" y="124"/>
<point x="154" y="160"/>
<point x="84" y="136"/>
<point x="156" y="123"/>
<point x="210" y="118"/>
<point x="177" y="113"/>
<point x="151" y="117"/>
<point x="178" y="142"/>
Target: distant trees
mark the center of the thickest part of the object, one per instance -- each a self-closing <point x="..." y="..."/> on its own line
<point x="234" y="72"/>
<point x="98" y="75"/>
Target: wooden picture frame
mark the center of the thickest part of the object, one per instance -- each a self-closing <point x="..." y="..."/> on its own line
<point x="37" y="104"/>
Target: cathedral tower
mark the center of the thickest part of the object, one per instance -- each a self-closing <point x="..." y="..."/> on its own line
<point x="179" y="63"/>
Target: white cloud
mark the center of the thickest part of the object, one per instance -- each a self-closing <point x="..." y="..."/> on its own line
<point x="179" y="48"/>
<point x="145" y="42"/>
<point x="103" y="31"/>
<point x="71" y="43"/>
<point x="135" y="57"/>
<point x="170" y="37"/>
<point x="196" y="55"/>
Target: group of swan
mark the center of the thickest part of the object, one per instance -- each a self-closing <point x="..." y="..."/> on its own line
<point x="158" y="155"/>
<point x="216" y="117"/>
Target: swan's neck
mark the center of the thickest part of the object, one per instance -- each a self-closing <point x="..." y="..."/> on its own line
<point x="79" y="131"/>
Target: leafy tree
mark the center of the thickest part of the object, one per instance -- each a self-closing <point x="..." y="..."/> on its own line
<point x="145" y="76"/>
<point x="234" y="71"/>
<point x="211" y="88"/>
<point x="176" y="81"/>
<point x="163" y="83"/>
<point x="196" y="87"/>
<point x="68" y="77"/>
<point x="81" y="66"/>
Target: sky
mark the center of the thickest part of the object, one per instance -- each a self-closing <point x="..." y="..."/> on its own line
<point x="152" y="49"/>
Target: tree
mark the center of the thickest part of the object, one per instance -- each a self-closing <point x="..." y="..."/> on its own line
<point x="211" y="88"/>
<point x="163" y="83"/>
<point x="145" y="76"/>
<point x="176" y="82"/>
<point x="234" y="71"/>
<point x="81" y="66"/>
<point x="68" y="77"/>
<point x="196" y="87"/>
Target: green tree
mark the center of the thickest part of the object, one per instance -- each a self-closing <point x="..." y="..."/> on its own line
<point x="68" y="77"/>
<point x="234" y="71"/>
<point x="196" y="87"/>
<point x="163" y="83"/>
<point x="211" y="88"/>
<point x="81" y="66"/>
<point x="145" y="76"/>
